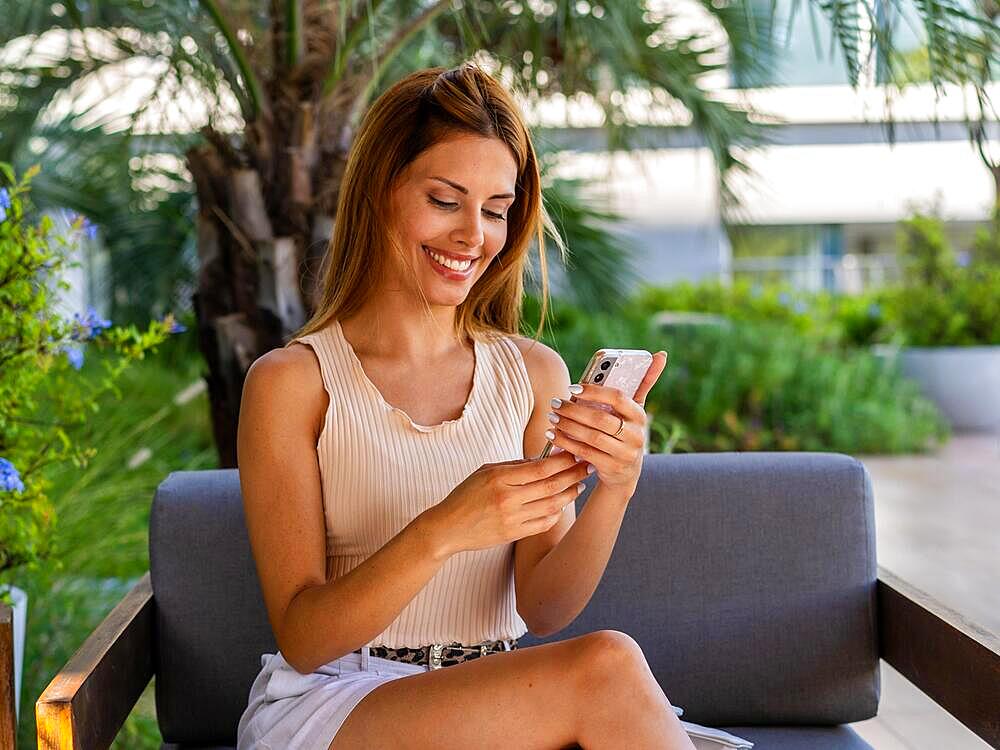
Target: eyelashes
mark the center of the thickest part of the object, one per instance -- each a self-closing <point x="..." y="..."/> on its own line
<point x="444" y="205"/>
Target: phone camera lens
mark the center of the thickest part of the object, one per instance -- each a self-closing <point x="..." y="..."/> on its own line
<point x="599" y="377"/>
<point x="605" y="364"/>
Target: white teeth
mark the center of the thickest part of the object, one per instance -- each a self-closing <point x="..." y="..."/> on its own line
<point x="448" y="262"/>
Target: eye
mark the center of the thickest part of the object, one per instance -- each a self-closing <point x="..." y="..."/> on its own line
<point x="441" y="204"/>
<point x="446" y="206"/>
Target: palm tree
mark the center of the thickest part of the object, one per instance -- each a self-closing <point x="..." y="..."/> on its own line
<point x="285" y="84"/>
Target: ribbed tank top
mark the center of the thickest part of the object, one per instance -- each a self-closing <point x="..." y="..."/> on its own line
<point x="380" y="470"/>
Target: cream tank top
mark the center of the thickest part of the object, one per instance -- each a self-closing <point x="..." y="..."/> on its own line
<point x="380" y="470"/>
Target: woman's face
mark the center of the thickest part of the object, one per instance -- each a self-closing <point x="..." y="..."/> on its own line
<point x="450" y="207"/>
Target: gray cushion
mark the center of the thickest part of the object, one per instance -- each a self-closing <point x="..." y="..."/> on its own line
<point x="801" y="738"/>
<point x="755" y="573"/>
<point x="211" y="623"/>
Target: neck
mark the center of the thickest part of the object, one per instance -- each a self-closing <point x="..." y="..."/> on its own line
<point x="399" y="328"/>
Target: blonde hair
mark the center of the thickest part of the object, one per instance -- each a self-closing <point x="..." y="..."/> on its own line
<point x="416" y="113"/>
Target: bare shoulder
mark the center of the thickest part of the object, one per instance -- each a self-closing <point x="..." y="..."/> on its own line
<point x="296" y="362"/>
<point x="288" y="380"/>
<point x="546" y="369"/>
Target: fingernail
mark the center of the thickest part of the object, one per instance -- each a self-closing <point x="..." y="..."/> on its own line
<point x="553" y="418"/>
<point x="556" y="403"/>
<point x="576" y="388"/>
<point x="550" y="435"/>
<point x="590" y="468"/>
<point x="580" y="487"/>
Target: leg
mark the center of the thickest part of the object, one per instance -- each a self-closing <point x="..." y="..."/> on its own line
<point x="590" y="689"/>
<point x="621" y="702"/>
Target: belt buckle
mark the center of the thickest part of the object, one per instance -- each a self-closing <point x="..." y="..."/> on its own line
<point x="434" y="659"/>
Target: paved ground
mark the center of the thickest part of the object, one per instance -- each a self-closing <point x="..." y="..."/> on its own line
<point x="937" y="521"/>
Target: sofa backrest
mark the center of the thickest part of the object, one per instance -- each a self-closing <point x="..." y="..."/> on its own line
<point x="748" y="579"/>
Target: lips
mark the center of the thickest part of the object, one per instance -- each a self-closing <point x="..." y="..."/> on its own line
<point x="453" y="256"/>
<point x="449" y="273"/>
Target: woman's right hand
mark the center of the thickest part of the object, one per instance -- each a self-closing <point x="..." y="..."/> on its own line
<point x="502" y="502"/>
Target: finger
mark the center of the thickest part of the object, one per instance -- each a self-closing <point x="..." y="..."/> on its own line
<point x="551" y="508"/>
<point x="599" y="419"/>
<point x="552" y="485"/>
<point x="584" y="451"/>
<point x="533" y="469"/>
<point x="613" y="397"/>
<point x="653" y="373"/>
<point x="601" y="440"/>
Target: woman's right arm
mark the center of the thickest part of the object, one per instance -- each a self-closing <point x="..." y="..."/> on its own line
<point x="314" y="620"/>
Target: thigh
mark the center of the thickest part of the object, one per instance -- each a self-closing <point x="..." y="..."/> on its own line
<point x="525" y="698"/>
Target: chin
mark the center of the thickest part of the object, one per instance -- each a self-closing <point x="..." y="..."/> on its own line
<point x="443" y="298"/>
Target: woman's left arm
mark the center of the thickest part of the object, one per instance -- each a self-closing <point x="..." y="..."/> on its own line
<point x="560" y="584"/>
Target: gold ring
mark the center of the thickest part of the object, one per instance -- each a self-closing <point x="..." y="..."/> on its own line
<point x="620" y="427"/>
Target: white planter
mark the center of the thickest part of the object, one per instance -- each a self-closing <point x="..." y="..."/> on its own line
<point x="20" y="615"/>
<point x="964" y="381"/>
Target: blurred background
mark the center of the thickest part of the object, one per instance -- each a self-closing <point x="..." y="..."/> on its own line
<point x="798" y="200"/>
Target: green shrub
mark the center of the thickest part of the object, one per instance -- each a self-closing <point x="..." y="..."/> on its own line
<point x="743" y="301"/>
<point x="754" y="385"/>
<point x="758" y="386"/>
<point x="926" y="258"/>
<point x="945" y="299"/>
<point x="861" y="320"/>
<point x="42" y="395"/>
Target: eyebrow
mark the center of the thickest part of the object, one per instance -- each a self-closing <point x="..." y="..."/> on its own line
<point x="465" y="190"/>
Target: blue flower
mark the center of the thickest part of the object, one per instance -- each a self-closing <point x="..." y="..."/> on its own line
<point x="801" y="307"/>
<point x="4" y="203"/>
<point x="785" y="298"/>
<point x="89" y="325"/>
<point x="89" y="228"/>
<point x="963" y="258"/>
<point x="75" y="356"/>
<point x="874" y="310"/>
<point x="175" y="327"/>
<point x="10" y="480"/>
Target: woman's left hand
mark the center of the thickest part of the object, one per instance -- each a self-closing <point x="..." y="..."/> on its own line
<point x="589" y="433"/>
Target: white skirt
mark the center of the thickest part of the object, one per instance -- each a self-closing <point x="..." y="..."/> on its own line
<point x="291" y="711"/>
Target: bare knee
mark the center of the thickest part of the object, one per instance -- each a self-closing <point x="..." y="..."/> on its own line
<point x="606" y="658"/>
<point x="613" y="663"/>
<point x="606" y="652"/>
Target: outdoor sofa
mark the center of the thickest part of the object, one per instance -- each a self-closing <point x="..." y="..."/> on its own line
<point x="749" y="580"/>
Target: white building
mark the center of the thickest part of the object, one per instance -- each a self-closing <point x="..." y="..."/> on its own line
<point x="822" y="207"/>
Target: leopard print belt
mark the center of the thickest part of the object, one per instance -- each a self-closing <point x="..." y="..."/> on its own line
<point x="439" y="655"/>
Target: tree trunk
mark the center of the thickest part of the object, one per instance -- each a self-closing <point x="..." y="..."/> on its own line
<point x="265" y="214"/>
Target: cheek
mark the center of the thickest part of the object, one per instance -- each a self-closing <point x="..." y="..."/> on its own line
<point x="495" y="240"/>
<point x="420" y="223"/>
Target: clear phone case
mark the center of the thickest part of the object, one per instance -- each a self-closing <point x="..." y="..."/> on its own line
<point x="619" y="368"/>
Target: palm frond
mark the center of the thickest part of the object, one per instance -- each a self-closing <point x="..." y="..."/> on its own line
<point x="600" y="266"/>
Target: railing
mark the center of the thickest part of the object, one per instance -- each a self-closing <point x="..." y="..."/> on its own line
<point x="848" y="274"/>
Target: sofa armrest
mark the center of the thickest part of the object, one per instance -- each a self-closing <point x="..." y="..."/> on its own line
<point x="8" y="712"/>
<point x="85" y="704"/>
<point x="950" y="659"/>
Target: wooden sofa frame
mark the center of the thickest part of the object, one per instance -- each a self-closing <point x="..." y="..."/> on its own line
<point x="951" y="660"/>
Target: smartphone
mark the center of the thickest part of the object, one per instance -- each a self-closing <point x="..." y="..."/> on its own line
<point x="619" y="368"/>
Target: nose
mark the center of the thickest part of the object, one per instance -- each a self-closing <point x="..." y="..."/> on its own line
<point x="470" y="229"/>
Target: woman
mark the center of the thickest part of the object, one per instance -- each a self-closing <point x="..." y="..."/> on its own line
<point x="392" y="514"/>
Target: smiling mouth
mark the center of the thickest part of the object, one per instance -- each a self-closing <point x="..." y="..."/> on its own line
<point x="449" y="263"/>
